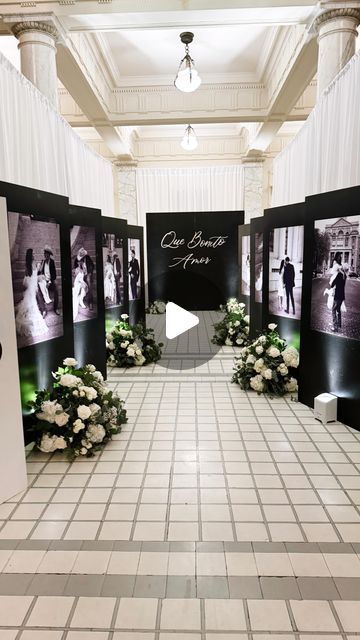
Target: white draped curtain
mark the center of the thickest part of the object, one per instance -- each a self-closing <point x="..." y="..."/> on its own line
<point x="39" y="149"/>
<point x="189" y="189"/>
<point x="325" y="154"/>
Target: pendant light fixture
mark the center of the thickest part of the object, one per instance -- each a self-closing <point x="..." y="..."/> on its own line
<point x="189" y="141"/>
<point x="187" y="78"/>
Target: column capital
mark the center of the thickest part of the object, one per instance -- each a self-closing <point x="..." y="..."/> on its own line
<point x="335" y="14"/>
<point x="25" y="26"/>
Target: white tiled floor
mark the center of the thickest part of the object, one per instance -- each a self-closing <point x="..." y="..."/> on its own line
<point x="216" y="514"/>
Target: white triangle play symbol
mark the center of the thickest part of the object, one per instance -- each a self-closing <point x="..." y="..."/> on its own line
<point x="178" y="320"/>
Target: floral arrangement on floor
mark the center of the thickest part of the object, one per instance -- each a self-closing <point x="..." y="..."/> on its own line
<point x="131" y="346"/>
<point x="267" y="364"/>
<point x="233" y="329"/>
<point x="79" y="414"/>
<point x="157" y="307"/>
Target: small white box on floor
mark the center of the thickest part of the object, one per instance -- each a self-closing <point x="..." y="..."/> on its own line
<point x="325" y="407"/>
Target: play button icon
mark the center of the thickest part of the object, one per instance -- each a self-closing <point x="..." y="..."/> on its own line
<point x="178" y="320"/>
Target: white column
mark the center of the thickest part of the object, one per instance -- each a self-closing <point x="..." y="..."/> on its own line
<point x="126" y="181"/>
<point x="37" y="44"/>
<point x="253" y="188"/>
<point x="337" y="36"/>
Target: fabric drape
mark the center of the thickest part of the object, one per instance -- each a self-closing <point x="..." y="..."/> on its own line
<point x="325" y="154"/>
<point x="189" y="189"/>
<point x="39" y="149"/>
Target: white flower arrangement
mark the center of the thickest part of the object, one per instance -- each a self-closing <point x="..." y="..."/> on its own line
<point x="65" y="416"/>
<point x="265" y="365"/>
<point x="129" y="346"/>
<point x="156" y="308"/>
<point x="233" y="329"/>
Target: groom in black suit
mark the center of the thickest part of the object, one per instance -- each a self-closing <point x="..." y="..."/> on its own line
<point x="48" y="270"/>
<point x="289" y="283"/>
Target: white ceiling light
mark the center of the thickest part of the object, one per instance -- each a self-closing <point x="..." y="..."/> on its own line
<point x="187" y="78"/>
<point x="189" y="141"/>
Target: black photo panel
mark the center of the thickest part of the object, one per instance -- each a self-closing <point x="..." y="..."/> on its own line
<point x="193" y="257"/>
<point x="87" y="286"/>
<point x="283" y="270"/>
<point x="135" y="274"/>
<point x="256" y="274"/>
<point x="244" y="265"/>
<point x="330" y="321"/>
<point x="115" y="263"/>
<point x="41" y="275"/>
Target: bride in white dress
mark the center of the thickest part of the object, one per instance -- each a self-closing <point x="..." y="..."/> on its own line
<point x="79" y="291"/>
<point x="28" y="319"/>
<point x="109" y="281"/>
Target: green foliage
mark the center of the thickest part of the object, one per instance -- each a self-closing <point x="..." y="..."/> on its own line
<point x="129" y="346"/>
<point x="233" y="329"/>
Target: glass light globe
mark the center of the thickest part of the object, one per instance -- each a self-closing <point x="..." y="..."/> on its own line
<point x="189" y="141"/>
<point x="187" y="80"/>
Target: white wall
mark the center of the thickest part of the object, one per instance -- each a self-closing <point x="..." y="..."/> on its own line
<point x="12" y="454"/>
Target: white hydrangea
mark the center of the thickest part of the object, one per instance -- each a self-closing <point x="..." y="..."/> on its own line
<point x="94" y="408"/>
<point x="272" y="326"/>
<point x="259" y="349"/>
<point x="291" y="385"/>
<point x="291" y="357"/>
<point x="131" y="351"/>
<point x="70" y="362"/>
<point x="273" y="352"/>
<point x="62" y="419"/>
<point x="250" y="359"/>
<point x="262" y="339"/>
<point x="267" y="374"/>
<point x="78" y="425"/>
<point x="49" y="409"/>
<point x="83" y="412"/>
<point x="282" y="369"/>
<point x="139" y="360"/>
<point x="60" y="443"/>
<point x="257" y="383"/>
<point x="68" y="380"/>
<point x="47" y="444"/>
<point x="98" y="376"/>
<point x="86" y="443"/>
<point x="95" y="433"/>
<point x="89" y="392"/>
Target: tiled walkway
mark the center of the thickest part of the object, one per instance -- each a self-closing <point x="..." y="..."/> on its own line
<point x="216" y="514"/>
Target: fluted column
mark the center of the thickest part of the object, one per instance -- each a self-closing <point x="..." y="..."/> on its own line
<point x="37" y="44"/>
<point x="336" y="37"/>
<point x="253" y="187"/>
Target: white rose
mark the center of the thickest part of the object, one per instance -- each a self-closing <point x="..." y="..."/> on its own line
<point x="78" y="426"/>
<point x="109" y="337"/>
<point x="83" y="451"/>
<point x="250" y="359"/>
<point x="237" y="323"/>
<point x="98" y="376"/>
<point x="247" y="319"/>
<point x="86" y="443"/>
<point x="70" y="362"/>
<point x="90" y="392"/>
<point x="83" y="412"/>
<point x="228" y="342"/>
<point x="259" y="349"/>
<point x="95" y="433"/>
<point x="242" y="305"/>
<point x="123" y="332"/>
<point x="257" y="383"/>
<point x="130" y="352"/>
<point x="123" y="345"/>
<point x="291" y="357"/>
<point x="262" y="339"/>
<point x="283" y="370"/>
<point x="75" y="392"/>
<point x="124" y="316"/>
<point x="259" y="365"/>
<point x="292" y="385"/>
<point x="68" y="380"/>
<point x="139" y="360"/>
<point x="111" y="346"/>
<point x="244" y="351"/>
<point x="272" y="326"/>
<point x="138" y="352"/>
<point x="94" y="408"/>
<point x="246" y="330"/>
<point x="60" y="443"/>
<point x="47" y="444"/>
<point x="62" y="419"/>
<point x="267" y="373"/>
<point x="239" y="340"/>
<point x="273" y="352"/>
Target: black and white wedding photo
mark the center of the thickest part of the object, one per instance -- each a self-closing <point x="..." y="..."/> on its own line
<point x="245" y="265"/>
<point x="36" y="278"/>
<point x="335" y="299"/>
<point x="259" y="239"/>
<point x="83" y="262"/>
<point x="134" y="270"/>
<point x="113" y="270"/>
<point x="286" y="248"/>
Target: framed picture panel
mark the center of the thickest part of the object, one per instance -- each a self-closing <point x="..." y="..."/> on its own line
<point x="283" y="270"/>
<point x="87" y="286"/>
<point x="41" y="280"/>
<point x="193" y="257"/>
<point x="244" y="265"/>
<point x="115" y="262"/>
<point x="256" y="274"/>
<point x="330" y="321"/>
<point x="135" y="273"/>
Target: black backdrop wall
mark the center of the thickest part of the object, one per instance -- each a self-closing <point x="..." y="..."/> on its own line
<point x="192" y="257"/>
<point x="85" y="232"/>
<point x="115" y="262"/>
<point x="37" y="221"/>
<point x="283" y="237"/>
<point x="135" y="274"/>
<point x="330" y="360"/>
